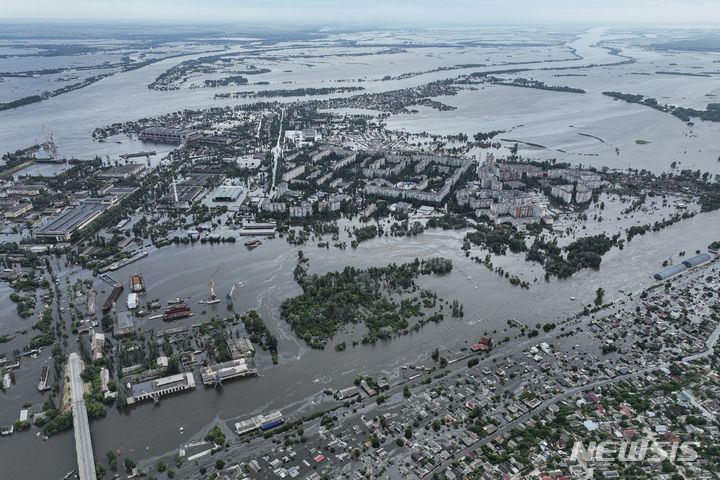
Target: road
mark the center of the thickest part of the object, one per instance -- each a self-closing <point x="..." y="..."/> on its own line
<point x="277" y="151"/>
<point x="81" y="425"/>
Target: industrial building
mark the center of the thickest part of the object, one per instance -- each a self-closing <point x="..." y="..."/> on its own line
<point x="125" y="324"/>
<point x="240" y="348"/>
<point x="681" y="267"/>
<point x="670" y="271"/>
<point x="172" y="136"/>
<point x="227" y="194"/>
<point x="348" y="392"/>
<point x="63" y="226"/>
<point x="263" y="422"/>
<point x="29" y="190"/>
<point x="122" y="171"/>
<point x="181" y="196"/>
<point x="162" y="386"/>
<point x="18" y="211"/>
<point x="697" y="260"/>
<point x="241" y="367"/>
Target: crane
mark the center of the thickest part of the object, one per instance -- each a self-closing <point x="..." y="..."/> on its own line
<point x="49" y="144"/>
<point x="228" y="298"/>
<point x="217" y="379"/>
<point x="213" y="298"/>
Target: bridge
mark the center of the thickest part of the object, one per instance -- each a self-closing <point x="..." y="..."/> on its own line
<point x="81" y="425"/>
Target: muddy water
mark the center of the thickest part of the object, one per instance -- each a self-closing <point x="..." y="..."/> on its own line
<point x="297" y="382"/>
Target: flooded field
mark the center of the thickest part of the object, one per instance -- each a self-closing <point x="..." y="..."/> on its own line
<point x="588" y="129"/>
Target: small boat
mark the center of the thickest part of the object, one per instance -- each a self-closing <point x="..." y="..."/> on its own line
<point x="572" y="299"/>
<point x="175" y="301"/>
<point x="250" y="244"/>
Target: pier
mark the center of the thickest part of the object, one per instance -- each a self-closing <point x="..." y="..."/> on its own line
<point x="81" y="425"/>
<point x="121" y="263"/>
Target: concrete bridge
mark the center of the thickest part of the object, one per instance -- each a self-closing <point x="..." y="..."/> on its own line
<point x="81" y="425"/>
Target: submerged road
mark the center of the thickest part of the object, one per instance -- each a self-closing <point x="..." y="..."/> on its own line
<point x="81" y="426"/>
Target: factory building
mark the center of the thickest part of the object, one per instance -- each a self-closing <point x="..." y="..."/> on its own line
<point x="670" y="271"/>
<point x="74" y="219"/>
<point x="241" y="367"/>
<point x="171" y="136"/>
<point x="154" y="389"/>
<point x="697" y="260"/>
<point x="122" y="171"/>
<point x="263" y="422"/>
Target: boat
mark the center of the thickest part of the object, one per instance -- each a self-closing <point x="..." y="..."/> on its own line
<point x="176" y="313"/>
<point x="137" y="284"/>
<point x="209" y="301"/>
<point x="175" y="301"/>
<point x="250" y="244"/>
<point x="178" y="308"/>
<point x="213" y="298"/>
<point x="572" y="299"/>
<point x="108" y="305"/>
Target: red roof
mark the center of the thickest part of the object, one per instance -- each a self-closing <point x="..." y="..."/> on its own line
<point x="484" y="340"/>
<point x="319" y="458"/>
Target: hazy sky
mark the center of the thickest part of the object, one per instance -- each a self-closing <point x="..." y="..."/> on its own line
<point x="373" y="11"/>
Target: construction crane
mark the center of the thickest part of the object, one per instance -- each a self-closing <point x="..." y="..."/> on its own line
<point x="217" y="379"/>
<point x="228" y="298"/>
<point x="49" y="144"/>
<point x="213" y="298"/>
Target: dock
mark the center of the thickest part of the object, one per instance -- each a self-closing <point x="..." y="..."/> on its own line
<point x="242" y="367"/>
<point x="44" y="376"/>
<point x="154" y="389"/>
<point x="260" y="232"/>
<point x="263" y="422"/>
<point x="121" y="263"/>
<point x="138" y="154"/>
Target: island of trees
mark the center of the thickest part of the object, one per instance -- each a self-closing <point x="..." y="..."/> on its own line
<point x="373" y="296"/>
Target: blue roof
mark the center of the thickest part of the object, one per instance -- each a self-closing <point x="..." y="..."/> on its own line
<point x="697" y="260"/>
<point x="670" y="271"/>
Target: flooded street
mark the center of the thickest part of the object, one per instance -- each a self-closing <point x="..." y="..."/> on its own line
<point x="588" y="129"/>
<point x="296" y="384"/>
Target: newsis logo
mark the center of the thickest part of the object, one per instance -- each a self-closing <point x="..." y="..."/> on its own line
<point x="647" y="449"/>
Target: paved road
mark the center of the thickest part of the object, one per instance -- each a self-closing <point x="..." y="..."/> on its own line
<point x="277" y="152"/>
<point x="81" y="426"/>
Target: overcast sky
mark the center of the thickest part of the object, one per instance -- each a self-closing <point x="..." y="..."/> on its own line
<point x="378" y="12"/>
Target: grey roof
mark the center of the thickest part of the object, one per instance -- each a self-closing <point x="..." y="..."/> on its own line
<point x="697" y="260"/>
<point x="670" y="271"/>
<point x="70" y="219"/>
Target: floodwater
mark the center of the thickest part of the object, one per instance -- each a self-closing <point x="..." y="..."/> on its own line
<point x="296" y="384"/>
<point x="552" y="119"/>
<point x="548" y="118"/>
